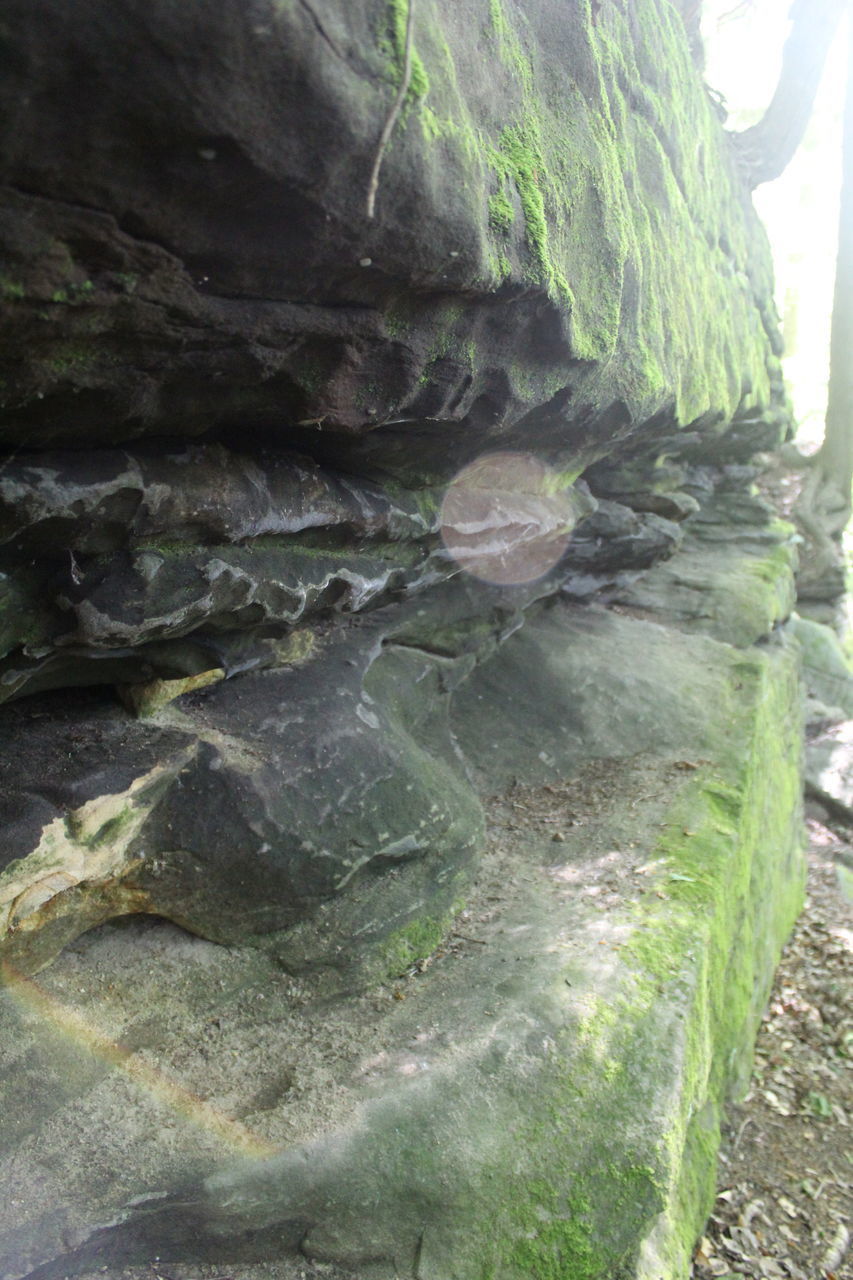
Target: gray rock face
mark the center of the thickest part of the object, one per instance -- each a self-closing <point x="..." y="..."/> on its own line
<point x="829" y="768"/>
<point x="201" y="558"/>
<point x="471" y="384"/>
<point x="392" y="408"/>
<point x="316" y="528"/>
<point x="186" y="242"/>
<point x="247" y="809"/>
<point x="499" y="1101"/>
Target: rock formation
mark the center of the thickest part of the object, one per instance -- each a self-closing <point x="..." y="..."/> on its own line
<point x="318" y="529"/>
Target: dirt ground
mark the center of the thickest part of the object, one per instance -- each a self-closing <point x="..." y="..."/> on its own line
<point x="785" y="1203"/>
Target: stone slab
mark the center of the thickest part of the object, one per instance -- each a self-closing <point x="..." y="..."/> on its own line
<point x="539" y="1093"/>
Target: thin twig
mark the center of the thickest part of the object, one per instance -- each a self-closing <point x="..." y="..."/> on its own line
<point x="393" y="113"/>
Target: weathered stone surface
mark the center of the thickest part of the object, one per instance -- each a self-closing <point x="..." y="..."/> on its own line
<point x="736" y="588"/>
<point x="270" y="795"/>
<point x="237" y="409"/>
<point x="828" y="679"/>
<point x="567" y="1052"/>
<point x="829" y="768"/>
<point x="612" y="545"/>
<point x="559" y="229"/>
<point x="827" y="672"/>
<point x="238" y="832"/>
<point x="175" y="565"/>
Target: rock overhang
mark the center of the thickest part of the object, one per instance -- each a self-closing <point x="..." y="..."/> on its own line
<point x="557" y="219"/>
<point x="233" y="404"/>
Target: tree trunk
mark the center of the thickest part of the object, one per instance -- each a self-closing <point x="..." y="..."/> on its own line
<point x="835" y="459"/>
<point x="826" y="501"/>
<point x="765" y="149"/>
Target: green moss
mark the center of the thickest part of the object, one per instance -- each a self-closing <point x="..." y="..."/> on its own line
<point x="398" y="324"/>
<point x="394" y="47"/>
<point x="415" y="941"/>
<point x="11" y="289"/>
<point x="510" y="50"/>
<point x="519" y="157"/>
<point x="713" y="853"/>
<point x="166" y="548"/>
<point x="617" y="210"/>
<point x="702" y="954"/>
<point x="446" y="118"/>
<point x="611" y="204"/>
<point x="501" y="212"/>
<point x="112" y="828"/>
<point x="435" y="126"/>
<point x="74" y="293"/>
<point x="500" y="267"/>
<point x="556" y="1244"/>
<point x="106" y="833"/>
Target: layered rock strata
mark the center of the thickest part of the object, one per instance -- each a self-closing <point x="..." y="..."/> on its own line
<point x="530" y="1084"/>
<point x="318" y="523"/>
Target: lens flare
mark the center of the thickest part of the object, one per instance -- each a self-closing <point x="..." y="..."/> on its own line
<point x="507" y="518"/>
<point x="35" y="999"/>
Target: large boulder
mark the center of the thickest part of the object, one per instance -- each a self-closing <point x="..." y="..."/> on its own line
<point x="333" y="508"/>
<point x="560" y="258"/>
<point x="531" y="1085"/>
<point x="558" y="229"/>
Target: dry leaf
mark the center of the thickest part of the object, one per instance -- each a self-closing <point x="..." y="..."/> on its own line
<point x="786" y="1205"/>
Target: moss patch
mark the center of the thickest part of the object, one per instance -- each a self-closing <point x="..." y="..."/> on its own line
<point x="680" y="1021"/>
<point x="393" y="44"/>
<point x="416" y="941"/>
<point x="623" y="183"/>
<point x="501" y="212"/>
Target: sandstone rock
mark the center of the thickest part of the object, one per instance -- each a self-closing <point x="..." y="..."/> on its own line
<point x="735" y="591"/>
<point x="829" y="769"/>
<point x="178" y="256"/>
<point x="238" y="411"/>
<point x="826" y="670"/>
<point x="507" y="1109"/>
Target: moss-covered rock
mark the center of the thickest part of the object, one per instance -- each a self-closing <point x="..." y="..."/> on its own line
<point x="543" y="1098"/>
<point x="558" y="227"/>
<point x="563" y="261"/>
<point x="827" y="672"/>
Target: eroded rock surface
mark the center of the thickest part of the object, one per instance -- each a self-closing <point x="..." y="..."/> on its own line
<point x="558" y="232"/>
<point x="563" y="262"/>
<point x="315" y="528"/>
<point x="537" y="1081"/>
